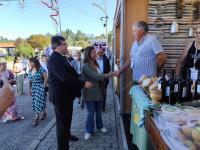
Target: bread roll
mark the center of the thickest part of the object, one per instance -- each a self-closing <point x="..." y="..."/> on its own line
<point x="187" y="131"/>
<point x="146" y="83"/>
<point x="180" y="136"/>
<point x="154" y="79"/>
<point x="197" y="143"/>
<point x="189" y="144"/>
<point x="142" y="78"/>
<point x="156" y="95"/>
<point x="153" y="87"/>
<point x="196" y="133"/>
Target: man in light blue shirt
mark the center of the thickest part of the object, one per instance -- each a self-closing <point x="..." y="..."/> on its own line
<point x="104" y="67"/>
<point x="147" y="56"/>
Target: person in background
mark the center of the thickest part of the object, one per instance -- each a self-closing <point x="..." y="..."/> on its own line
<point x="147" y="56"/>
<point x="78" y="68"/>
<point x="64" y="86"/>
<point x="18" y="70"/>
<point x="43" y="62"/>
<point x="17" y="66"/>
<point x="38" y="77"/>
<point x="104" y="66"/>
<point x="93" y="97"/>
<point x="190" y="58"/>
<point x="13" y="113"/>
<point x="48" y="51"/>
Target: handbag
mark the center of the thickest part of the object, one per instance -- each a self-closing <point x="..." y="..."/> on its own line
<point x="6" y="99"/>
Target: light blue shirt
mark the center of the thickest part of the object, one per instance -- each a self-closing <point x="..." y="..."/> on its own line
<point x="100" y="62"/>
<point x="79" y="65"/>
<point x="143" y="56"/>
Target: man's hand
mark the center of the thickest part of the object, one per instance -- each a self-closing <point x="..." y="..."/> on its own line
<point x="88" y="85"/>
<point x="117" y="73"/>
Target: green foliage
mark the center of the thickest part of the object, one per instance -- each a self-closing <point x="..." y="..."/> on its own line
<point x="38" y="41"/>
<point x="9" y="58"/>
<point x="19" y="41"/>
<point x="69" y="36"/>
<point x="24" y="50"/>
<point x="82" y="43"/>
<point x="2" y="39"/>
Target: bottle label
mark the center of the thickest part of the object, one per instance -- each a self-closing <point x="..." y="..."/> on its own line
<point x="176" y="88"/>
<point x="194" y="74"/>
<point x="184" y="92"/>
<point x="159" y="86"/>
<point x="167" y="91"/>
<point x="198" y="88"/>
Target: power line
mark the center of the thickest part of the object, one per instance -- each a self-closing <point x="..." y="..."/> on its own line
<point x="81" y="11"/>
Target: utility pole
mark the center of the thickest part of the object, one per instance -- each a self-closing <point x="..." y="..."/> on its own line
<point x="106" y="20"/>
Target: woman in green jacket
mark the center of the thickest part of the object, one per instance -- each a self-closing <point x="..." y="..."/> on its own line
<point x="93" y="97"/>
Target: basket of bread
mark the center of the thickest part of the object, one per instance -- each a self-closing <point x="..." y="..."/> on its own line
<point x="150" y="86"/>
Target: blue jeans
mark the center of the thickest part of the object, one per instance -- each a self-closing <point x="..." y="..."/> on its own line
<point x="93" y="107"/>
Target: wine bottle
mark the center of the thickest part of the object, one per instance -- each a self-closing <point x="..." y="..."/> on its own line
<point x="162" y="85"/>
<point x="180" y="88"/>
<point x="197" y="87"/>
<point x="189" y="82"/>
<point x="172" y="99"/>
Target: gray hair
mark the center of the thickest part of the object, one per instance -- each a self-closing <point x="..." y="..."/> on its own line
<point x="143" y="25"/>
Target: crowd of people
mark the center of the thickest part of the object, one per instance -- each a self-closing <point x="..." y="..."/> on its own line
<point x="86" y="78"/>
<point x="63" y="78"/>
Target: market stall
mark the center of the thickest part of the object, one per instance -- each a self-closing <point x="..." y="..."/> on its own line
<point x="163" y="126"/>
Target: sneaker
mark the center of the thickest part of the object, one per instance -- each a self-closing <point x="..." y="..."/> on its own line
<point x="87" y="136"/>
<point x="103" y="130"/>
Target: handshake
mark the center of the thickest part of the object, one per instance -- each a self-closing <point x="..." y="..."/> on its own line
<point x="89" y="85"/>
<point x="116" y="73"/>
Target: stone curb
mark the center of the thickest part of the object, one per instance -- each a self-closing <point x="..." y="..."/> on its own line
<point x="117" y="112"/>
<point x="42" y="135"/>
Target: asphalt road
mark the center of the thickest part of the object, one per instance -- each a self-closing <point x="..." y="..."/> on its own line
<point x="19" y="135"/>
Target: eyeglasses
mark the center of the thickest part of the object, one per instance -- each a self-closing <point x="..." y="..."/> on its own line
<point x="64" y="44"/>
<point x="198" y="33"/>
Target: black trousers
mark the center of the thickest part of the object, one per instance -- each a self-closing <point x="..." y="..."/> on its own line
<point x="63" y="124"/>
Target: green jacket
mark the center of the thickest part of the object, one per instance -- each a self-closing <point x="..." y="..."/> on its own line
<point x="96" y="93"/>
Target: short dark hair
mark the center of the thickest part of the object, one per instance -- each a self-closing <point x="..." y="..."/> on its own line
<point x="143" y="25"/>
<point x="56" y="41"/>
<point x="36" y="61"/>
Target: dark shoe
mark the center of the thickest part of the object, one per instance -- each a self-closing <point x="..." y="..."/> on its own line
<point x="36" y="121"/>
<point x="73" y="138"/>
<point x="43" y="116"/>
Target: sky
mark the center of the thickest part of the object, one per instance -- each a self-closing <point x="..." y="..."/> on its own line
<point x="34" y="17"/>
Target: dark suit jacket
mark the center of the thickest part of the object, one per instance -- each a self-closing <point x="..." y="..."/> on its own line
<point x="106" y="67"/>
<point x="64" y="84"/>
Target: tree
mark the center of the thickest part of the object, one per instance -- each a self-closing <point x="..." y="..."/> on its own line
<point x="19" y="41"/>
<point x="39" y="41"/>
<point x="82" y="43"/>
<point x="2" y="39"/>
<point x="80" y="36"/>
<point x="69" y="36"/>
<point x="24" y="50"/>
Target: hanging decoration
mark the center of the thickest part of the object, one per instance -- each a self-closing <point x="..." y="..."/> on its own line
<point x="53" y="5"/>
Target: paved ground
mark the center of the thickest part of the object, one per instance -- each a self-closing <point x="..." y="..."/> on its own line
<point x="109" y="141"/>
<point x="19" y="135"/>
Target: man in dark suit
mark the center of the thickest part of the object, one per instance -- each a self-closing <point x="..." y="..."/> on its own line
<point x="64" y="86"/>
<point x="104" y="65"/>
